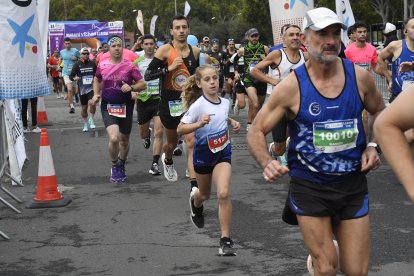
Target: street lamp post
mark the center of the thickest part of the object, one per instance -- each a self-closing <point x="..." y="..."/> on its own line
<point x="126" y="16"/>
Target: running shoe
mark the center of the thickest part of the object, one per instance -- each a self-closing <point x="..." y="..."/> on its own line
<point x="169" y="171"/>
<point x="283" y="159"/>
<point x="309" y="262"/>
<point x="26" y="130"/>
<point x="118" y="174"/>
<point x="226" y="247"/>
<point x="178" y="151"/>
<point x="271" y="152"/>
<point x="91" y="123"/>
<point x="85" y="127"/>
<point x="236" y="109"/>
<point x="154" y="169"/>
<point x="146" y="142"/>
<point x="36" y="130"/>
<point x="72" y="110"/>
<point x="196" y="214"/>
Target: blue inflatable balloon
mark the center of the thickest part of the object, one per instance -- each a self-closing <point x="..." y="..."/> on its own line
<point x="192" y="40"/>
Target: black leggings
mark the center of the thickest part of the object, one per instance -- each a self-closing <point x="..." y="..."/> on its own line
<point x="33" y="105"/>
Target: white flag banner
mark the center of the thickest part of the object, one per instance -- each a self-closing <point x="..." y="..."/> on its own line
<point x="22" y="65"/>
<point x="43" y="12"/>
<point x="287" y="12"/>
<point x="140" y="22"/>
<point x="15" y="140"/>
<point x="152" y="26"/>
<point x="345" y="14"/>
<point x="187" y="8"/>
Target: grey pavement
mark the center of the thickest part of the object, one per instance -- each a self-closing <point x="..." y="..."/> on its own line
<point x="142" y="227"/>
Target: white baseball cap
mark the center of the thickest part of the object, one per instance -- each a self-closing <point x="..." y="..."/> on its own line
<point x="84" y="49"/>
<point x="389" y="27"/>
<point x="320" y="18"/>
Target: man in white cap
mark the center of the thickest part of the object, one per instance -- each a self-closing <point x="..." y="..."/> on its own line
<point x="328" y="153"/>
<point x="390" y="33"/>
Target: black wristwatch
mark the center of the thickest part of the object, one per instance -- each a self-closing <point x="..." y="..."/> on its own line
<point x="376" y="146"/>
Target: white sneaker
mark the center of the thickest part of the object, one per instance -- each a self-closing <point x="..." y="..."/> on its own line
<point x="85" y="127"/>
<point x="26" y="130"/>
<point x="36" y="130"/>
<point x="169" y="171"/>
<point x="236" y="109"/>
<point x="309" y="262"/>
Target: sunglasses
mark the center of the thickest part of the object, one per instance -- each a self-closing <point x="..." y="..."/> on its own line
<point x="254" y="35"/>
<point x="85" y="53"/>
<point x="230" y="39"/>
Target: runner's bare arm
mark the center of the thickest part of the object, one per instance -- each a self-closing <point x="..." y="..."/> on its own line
<point x="97" y="89"/>
<point x="389" y="128"/>
<point x="272" y="60"/>
<point x="285" y="100"/>
<point x="374" y="104"/>
<point x="183" y="128"/>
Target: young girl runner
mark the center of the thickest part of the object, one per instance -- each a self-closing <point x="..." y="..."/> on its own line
<point x="207" y="116"/>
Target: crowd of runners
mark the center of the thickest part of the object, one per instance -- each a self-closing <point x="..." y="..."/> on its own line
<point x="321" y="114"/>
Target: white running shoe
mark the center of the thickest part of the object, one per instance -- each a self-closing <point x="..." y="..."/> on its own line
<point x="36" y="130"/>
<point x="91" y="123"/>
<point x="309" y="262"/>
<point x="85" y="127"/>
<point x="169" y="171"/>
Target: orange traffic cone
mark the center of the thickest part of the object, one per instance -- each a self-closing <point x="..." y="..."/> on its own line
<point x="47" y="194"/>
<point x="41" y="113"/>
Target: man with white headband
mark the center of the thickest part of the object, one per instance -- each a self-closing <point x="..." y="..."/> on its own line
<point x="114" y="81"/>
<point x="328" y="153"/>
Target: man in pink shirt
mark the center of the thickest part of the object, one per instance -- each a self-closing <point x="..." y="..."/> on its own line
<point x="117" y="82"/>
<point x="365" y="55"/>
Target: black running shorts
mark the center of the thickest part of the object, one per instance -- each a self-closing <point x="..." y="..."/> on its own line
<point x="168" y="121"/>
<point x="147" y="110"/>
<point x="239" y="88"/>
<point x="84" y="99"/>
<point x="125" y="124"/>
<point x="209" y="169"/>
<point x="261" y="87"/>
<point x="341" y="200"/>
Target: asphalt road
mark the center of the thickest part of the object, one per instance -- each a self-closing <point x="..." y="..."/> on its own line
<point x="142" y="227"/>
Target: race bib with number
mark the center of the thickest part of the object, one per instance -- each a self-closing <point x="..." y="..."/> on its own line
<point x="176" y="108"/>
<point x="87" y="80"/>
<point x="117" y="110"/>
<point x="153" y="87"/>
<point x="335" y="136"/>
<point x="231" y="69"/>
<point x="218" y="141"/>
<point x="364" y="65"/>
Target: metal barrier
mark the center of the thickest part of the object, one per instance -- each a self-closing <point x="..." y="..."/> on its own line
<point x="4" y="166"/>
<point x="382" y="86"/>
